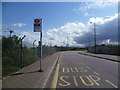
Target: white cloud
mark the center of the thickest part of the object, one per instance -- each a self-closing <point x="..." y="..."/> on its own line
<point x="30" y="37"/>
<point x="18" y="24"/>
<point x="86" y="14"/>
<point x="106" y="28"/>
<point x="58" y="36"/>
<point x="80" y="34"/>
<point x="108" y="42"/>
<point x="95" y="5"/>
<point x="99" y="20"/>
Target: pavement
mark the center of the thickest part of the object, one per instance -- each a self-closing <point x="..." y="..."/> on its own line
<point x="29" y="77"/>
<point x="75" y="70"/>
<point x="103" y="56"/>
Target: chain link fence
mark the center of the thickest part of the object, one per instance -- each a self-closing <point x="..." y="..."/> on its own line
<point x="14" y="62"/>
<point x="14" y="58"/>
<point x="108" y="49"/>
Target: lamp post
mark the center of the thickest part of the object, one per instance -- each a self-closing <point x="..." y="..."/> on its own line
<point x="94" y="37"/>
<point x="33" y="49"/>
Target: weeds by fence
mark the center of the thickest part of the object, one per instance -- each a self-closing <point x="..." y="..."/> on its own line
<point x="14" y="59"/>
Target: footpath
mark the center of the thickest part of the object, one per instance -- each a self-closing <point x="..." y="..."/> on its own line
<point x="103" y="56"/>
<point x="29" y="77"/>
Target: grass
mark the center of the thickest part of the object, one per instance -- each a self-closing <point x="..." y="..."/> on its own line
<point x="13" y="64"/>
<point x="77" y="49"/>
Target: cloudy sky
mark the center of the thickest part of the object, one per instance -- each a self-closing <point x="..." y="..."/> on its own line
<point x="63" y="21"/>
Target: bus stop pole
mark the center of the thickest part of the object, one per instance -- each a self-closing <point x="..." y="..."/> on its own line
<point x="40" y="45"/>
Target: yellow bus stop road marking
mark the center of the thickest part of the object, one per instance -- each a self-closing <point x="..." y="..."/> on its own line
<point x="54" y="83"/>
<point x="83" y="64"/>
<point x="87" y="67"/>
<point x="111" y="83"/>
<point x="96" y="73"/>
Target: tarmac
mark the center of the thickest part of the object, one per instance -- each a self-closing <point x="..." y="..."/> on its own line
<point x="103" y="56"/>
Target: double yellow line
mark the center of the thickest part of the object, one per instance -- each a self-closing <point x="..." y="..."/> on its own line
<point x="55" y="80"/>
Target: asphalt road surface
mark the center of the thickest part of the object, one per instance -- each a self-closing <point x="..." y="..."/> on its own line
<point x="79" y="71"/>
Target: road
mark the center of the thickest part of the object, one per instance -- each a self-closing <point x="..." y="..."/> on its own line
<point x="79" y="71"/>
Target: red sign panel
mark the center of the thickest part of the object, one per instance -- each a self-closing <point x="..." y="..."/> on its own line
<point x="37" y="21"/>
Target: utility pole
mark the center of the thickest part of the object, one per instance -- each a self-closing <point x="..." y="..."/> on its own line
<point x="94" y="37"/>
<point x="67" y="45"/>
<point x="40" y="48"/>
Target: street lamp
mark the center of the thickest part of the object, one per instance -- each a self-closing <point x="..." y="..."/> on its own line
<point x="33" y="49"/>
<point x="94" y="36"/>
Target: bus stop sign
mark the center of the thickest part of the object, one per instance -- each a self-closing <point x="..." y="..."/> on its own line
<point x="37" y="25"/>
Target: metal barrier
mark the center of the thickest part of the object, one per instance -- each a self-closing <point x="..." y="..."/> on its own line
<point x="11" y="60"/>
<point x="108" y="49"/>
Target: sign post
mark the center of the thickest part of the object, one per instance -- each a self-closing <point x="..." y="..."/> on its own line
<point x="38" y="28"/>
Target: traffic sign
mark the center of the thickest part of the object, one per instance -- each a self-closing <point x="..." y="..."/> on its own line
<point x="38" y="25"/>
